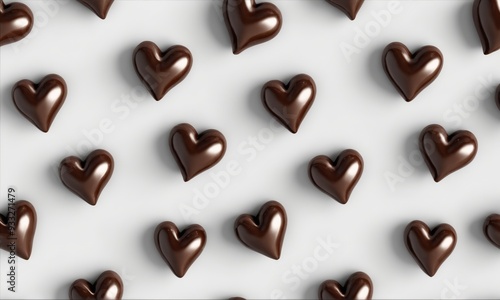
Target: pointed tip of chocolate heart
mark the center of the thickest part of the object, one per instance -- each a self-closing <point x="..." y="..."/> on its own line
<point x="349" y="7"/>
<point x="99" y="7"/>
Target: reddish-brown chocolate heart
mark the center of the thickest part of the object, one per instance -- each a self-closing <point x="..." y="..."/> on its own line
<point x="445" y="154"/>
<point x="16" y="22"/>
<point x="411" y="73"/>
<point x="337" y="178"/>
<point x="289" y="103"/>
<point x="349" y="7"/>
<point x="497" y="96"/>
<point x="429" y="248"/>
<point x="17" y="229"/>
<point x="193" y="152"/>
<point x="265" y="232"/>
<point x="161" y="71"/>
<point x="358" y="286"/>
<point x="486" y="15"/>
<point x="108" y="286"/>
<point x="40" y="103"/>
<point x="87" y="178"/>
<point x="99" y="7"/>
<point x="491" y="229"/>
<point x="179" y="249"/>
<point x="249" y="23"/>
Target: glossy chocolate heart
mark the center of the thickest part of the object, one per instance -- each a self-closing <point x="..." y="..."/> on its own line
<point x="429" y="248"/>
<point x="87" y="178"/>
<point x="289" y="103"/>
<point x="17" y="229"/>
<point x="161" y="71"/>
<point x="99" y="7"/>
<point x="193" y="152"/>
<point x="445" y="154"/>
<point x="265" y="232"/>
<point x="337" y="178"/>
<point x="358" y="286"/>
<point x="108" y="286"/>
<point x="40" y="103"/>
<point x="491" y="229"/>
<point x="411" y="73"/>
<point x="16" y="22"/>
<point x="486" y="15"/>
<point x="179" y="249"/>
<point x="249" y="23"/>
<point x="348" y="7"/>
<point x="497" y="97"/>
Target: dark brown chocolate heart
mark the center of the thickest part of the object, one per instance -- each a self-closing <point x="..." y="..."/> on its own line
<point x="108" y="286"/>
<point x="445" y="154"/>
<point x="249" y="23"/>
<point x="87" y="178"/>
<point x="358" y="286"/>
<point x="491" y="229"/>
<point x="486" y="15"/>
<point x="161" y="71"/>
<point x="348" y="7"/>
<point x="193" y="152"/>
<point x="99" y="7"/>
<point x="16" y="22"/>
<point x="17" y="237"/>
<point x="497" y="96"/>
<point x="337" y="178"/>
<point x="289" y="103"/>
<point x="429" y="248"/>
<point x="411" y="73"/>
<point x="265" y="232"/>
<point x="40" y="103"/>
<point x="179" y="249"/>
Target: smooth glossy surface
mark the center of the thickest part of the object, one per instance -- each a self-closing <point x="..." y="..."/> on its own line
<point x="108" y="286"/>
<point x="193" y="152"/>
<point x="99" y="7"/>
<point x="348" y="7"/>
<point x="16" y="22"/>
<point x="289" y="103"/>
<point x="486" y="15"/>
<point x="40" y="103"/>
<point x="179" y="249"/>
<point x="161" y="71"/>
<point x="358" y="286"/>
<point x="87" y="178"/>
<point x="491" y="228"/>
<point x="429" y="248"/>
<point x="445" y="154"/>
<point x="337" y="178"/>
<point x="497" y="97"/>
<point x="249" y="23"/>
<point x="265" y="232"/>
<point x="411" y="73"/>
<point x="23" y="226"/>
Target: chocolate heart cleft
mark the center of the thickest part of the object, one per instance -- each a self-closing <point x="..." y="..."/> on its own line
<point x="161" y="71"/>
<point x="87" y="178"/>
<point x="486" y="15"/>
<point x="179" y="249"/>
<point x="445" y="154"/>
<point x="16" y="22"/>
<point x="358" y="286"/>
<point x="40" y="103"/>
<point x="411" y="73"/>
<point x="429" y="248"/>
<point x="265" y="232"/>
<point x="250" y="24"/>
<point x="17" y="229"/>
<point x="108" y="286"/>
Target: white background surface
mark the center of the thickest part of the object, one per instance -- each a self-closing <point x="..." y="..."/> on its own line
<point x="356" y="107"/>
